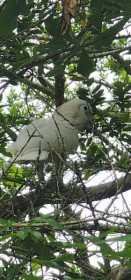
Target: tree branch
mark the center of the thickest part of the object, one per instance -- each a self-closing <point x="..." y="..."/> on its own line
<point x="72" y="193"/>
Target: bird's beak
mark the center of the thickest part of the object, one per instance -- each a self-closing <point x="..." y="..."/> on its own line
<point x="89" y="126"/>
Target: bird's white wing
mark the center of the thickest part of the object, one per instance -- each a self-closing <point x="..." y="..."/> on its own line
<point x="42" y="136"/>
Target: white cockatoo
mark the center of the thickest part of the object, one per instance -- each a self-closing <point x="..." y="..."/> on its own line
<point x="58" y="133"/>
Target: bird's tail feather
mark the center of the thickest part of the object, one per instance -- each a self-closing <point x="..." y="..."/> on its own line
<point x="11" y="149"/>
<point x="31" y="156"/>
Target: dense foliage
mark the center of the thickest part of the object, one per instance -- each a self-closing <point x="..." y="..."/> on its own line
<point x="51" y="225"/>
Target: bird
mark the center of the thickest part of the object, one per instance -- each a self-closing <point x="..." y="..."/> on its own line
<point x="55" y="134"/>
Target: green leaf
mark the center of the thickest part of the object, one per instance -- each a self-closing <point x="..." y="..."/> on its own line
<point x="8" y="15"/>
<point x="85" y="64"/>
<point x="65" y="258"/>
<point x="36" y="234"/>
<point x="52" y="25"/>
<point x="22" y="234"/>
<point x="32" y="277"/>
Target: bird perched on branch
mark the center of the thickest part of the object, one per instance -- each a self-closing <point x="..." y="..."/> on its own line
<point x="58" y="133"/>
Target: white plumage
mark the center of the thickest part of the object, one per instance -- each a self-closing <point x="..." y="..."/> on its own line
<point x="58" y="133"/>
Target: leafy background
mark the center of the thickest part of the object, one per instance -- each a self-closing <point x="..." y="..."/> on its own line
<point x="54" y="227"/>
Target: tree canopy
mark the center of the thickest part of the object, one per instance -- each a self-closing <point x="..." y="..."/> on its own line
<point x="59" y="219"/>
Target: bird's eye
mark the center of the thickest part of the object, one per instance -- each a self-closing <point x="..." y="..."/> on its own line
<point x="85" y="108"/>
